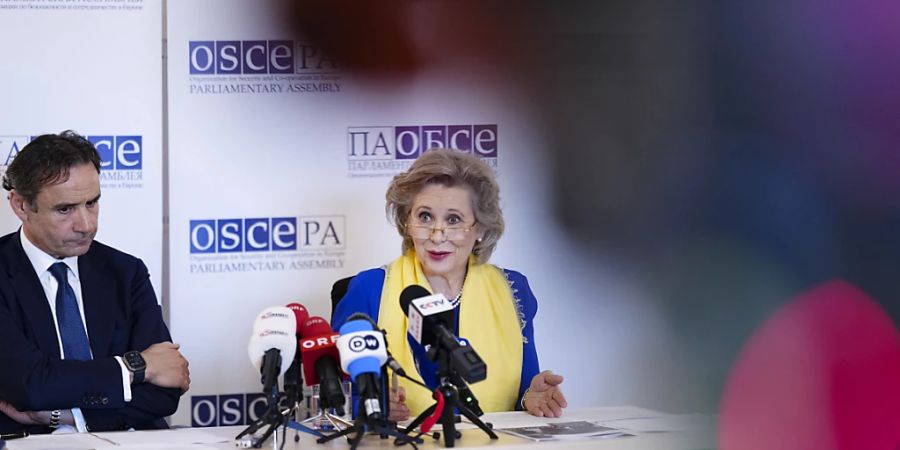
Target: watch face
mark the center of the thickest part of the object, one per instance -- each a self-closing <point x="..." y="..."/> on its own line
<point x="134" y="361"/>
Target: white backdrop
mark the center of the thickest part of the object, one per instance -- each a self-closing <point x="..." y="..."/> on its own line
<point x="94" y="67"/>
<point x="273" y="195"/>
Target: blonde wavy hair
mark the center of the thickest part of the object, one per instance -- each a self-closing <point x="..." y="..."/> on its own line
<point x="449" y="168"/>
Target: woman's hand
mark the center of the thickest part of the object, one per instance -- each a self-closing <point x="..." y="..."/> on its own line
<point x="399" y="410"/>
<point x="544" y="398"/>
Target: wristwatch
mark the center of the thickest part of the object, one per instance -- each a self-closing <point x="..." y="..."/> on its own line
<point x="136" y="364"/>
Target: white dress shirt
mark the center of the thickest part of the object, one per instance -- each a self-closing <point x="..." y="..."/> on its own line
<point x="41" y="262"/>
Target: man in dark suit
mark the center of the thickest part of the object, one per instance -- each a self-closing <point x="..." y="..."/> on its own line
<point x="82" y="340"/>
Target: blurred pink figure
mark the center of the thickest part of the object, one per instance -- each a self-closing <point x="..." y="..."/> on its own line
<point x="823" y="373"/>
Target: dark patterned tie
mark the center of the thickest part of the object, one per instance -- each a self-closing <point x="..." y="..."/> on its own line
<point x="71" y="328"/>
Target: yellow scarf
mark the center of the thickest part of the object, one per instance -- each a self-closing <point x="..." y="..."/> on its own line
<point x="488" y="319"/>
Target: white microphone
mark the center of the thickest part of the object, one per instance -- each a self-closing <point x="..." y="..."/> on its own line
<point x="362" y="352"/>
<point x="273" y="344"/>
<point x="278" y="317"/>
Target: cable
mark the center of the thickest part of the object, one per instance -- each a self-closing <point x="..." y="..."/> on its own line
<point x="419" y="383"/>
<point x="438" y="410"/>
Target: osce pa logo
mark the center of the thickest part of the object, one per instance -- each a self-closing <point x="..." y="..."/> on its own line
<point x="123" y="152"/>
<point x="119" y="152"/>
<point x="266" y="234"/>
<point x="257" y="57"/>
<point x="10" y="146"/>
<point x="409" y="142"/>
<point x="226" y="409"/>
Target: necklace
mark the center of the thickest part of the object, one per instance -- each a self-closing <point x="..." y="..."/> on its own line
<point x="455" y="300"/>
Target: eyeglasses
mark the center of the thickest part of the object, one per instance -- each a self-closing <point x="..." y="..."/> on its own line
<point x="421" y="230"/>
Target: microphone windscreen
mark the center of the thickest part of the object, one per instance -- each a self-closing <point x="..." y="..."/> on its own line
<point x="362" y="316"/>
<point x="362" y="349"/>
<point x="300" y="314"/>
<point x="285" y="341"/>
<point x="315" y="326"/>
<point x="315" y="348"/>
<point x="276" y="317"/>
<point x="409" y="294"/>
<point x="354" y="325"/>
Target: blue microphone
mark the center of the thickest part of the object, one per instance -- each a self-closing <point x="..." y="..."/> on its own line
<point x="363" y="352"/>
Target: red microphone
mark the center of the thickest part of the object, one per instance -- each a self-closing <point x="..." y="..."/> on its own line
<point x="292" y="376"/>
<point x="318" y="340"/>
<point x="300" y="313"/>
<point x="320" y="357"/>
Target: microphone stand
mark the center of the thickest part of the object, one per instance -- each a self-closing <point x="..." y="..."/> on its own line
<point x="449" y="389"/>
<point x="377" y="424"/>
<point x="326" y="413"/>
<point x="293" y="386"/>
<point x="338" y="422"/>
<point x="293" y="389"/>
<point x="275" y="416"/>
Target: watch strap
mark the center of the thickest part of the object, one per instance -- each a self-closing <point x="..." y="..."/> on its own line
<point x="138" y="372"/>
<point x="138" y="376"/>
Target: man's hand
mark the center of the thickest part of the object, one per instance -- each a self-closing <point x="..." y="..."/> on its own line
<point x="166" y="367"/>
<point x="544" y="397"/>
<point x="25" y="417"/>
<point x="399" y="410"/>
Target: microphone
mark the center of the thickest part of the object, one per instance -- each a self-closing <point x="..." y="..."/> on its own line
<point x="430" y="317"/>
<point x="273" y="340"/>
<point x="392" y="363"/>
<point x="292" y="379"/>
<point x="321" y="367"/>
<point x="300" y="315"/>
<point x="362" y="351"/>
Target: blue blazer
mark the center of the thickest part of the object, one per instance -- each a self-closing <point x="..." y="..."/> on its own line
<point x="121" y="314"/>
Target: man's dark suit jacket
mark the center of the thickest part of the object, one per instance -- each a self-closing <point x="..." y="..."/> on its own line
<point x="121" y="314"/>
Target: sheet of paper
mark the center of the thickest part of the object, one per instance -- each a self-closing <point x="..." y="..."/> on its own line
<point x="665" y="423"/>
<point x="579" y="429"/>
<point x="518" y="419"/>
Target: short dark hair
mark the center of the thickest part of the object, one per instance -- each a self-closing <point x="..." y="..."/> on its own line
<point x="46" y="160"/>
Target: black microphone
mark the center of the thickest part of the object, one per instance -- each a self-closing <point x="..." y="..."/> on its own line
<point x="292" y="377"/>
<point x="271" y="366"/>
<point x="430" y="317"/>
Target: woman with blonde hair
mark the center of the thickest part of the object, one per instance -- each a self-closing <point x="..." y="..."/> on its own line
<point x="446" y="208"/>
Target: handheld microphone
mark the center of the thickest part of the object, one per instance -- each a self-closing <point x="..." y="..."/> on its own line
<point x="362" y="351"/>
<point x="321" y="367"/>
<point x="430" y="317"/>
<point x="273" y="341"/>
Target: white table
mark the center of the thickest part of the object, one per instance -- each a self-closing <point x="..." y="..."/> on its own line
<point x="222" y="438"/>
